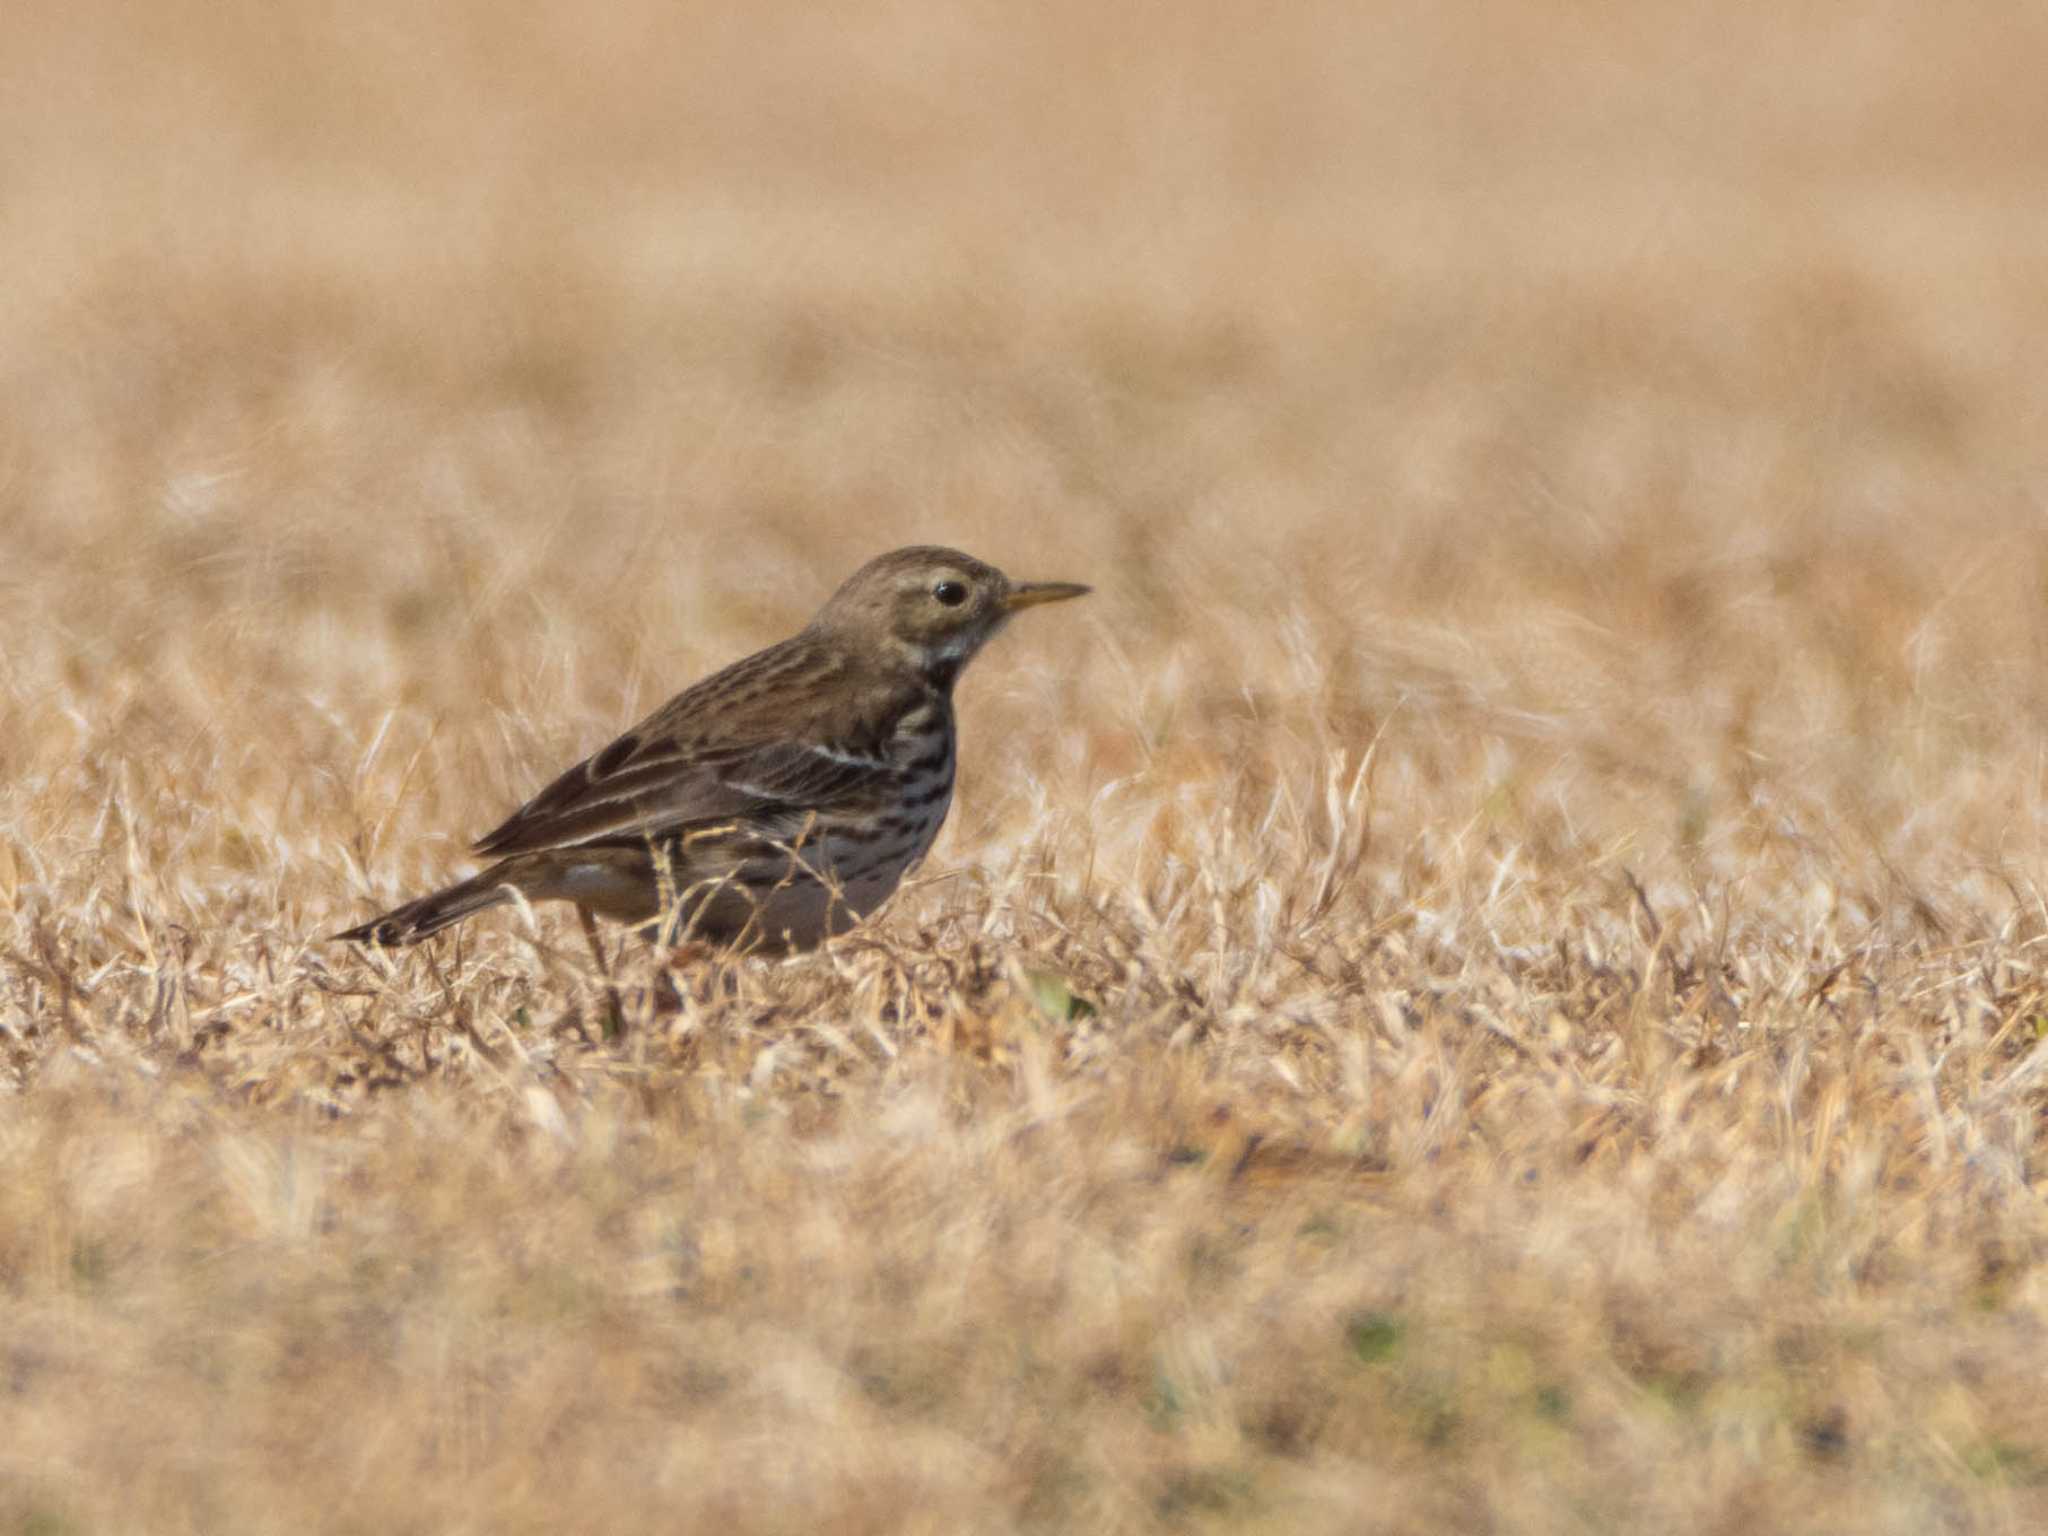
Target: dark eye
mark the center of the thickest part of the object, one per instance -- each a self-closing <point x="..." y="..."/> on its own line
<point x="951" y="593"/>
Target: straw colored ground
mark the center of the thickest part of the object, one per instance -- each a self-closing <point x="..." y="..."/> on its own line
<point x="1491" y="979"/>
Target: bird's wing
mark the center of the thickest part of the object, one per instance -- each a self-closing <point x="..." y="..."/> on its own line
<point x="650" y="784"/>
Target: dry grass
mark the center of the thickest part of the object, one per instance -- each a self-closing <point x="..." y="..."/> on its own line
<point x="1492" y="979"/>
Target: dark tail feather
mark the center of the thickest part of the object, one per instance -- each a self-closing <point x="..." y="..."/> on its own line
<point x="430" y="914"/>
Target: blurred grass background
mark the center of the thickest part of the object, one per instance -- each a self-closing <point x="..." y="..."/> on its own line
<point x="1488" y="980"/>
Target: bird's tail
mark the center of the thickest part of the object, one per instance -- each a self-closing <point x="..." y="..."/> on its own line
<point x="430" y="914"/>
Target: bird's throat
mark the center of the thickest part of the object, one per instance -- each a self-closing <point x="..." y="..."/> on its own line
<point x="941" y="671"/>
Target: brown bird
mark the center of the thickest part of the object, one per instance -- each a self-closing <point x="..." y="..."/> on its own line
<point x="777" y="802"/>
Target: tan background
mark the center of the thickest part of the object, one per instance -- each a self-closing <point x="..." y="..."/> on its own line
<point x="1487" y="980"/>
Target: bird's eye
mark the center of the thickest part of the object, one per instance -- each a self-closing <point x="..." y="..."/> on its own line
<point x="951" y="593"/>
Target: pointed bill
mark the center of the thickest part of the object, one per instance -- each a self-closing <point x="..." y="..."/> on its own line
<point x="1029" y="594"/>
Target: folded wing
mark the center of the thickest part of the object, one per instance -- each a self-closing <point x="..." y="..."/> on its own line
<point x="642" y="786"/>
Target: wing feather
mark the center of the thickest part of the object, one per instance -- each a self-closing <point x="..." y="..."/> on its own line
<point x="662" y="793"/>
<point x="727" y="747"/>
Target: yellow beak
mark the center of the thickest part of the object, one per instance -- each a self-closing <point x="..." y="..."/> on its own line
<point x="1029" y="594"/>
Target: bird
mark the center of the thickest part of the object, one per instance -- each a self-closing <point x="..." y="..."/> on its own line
<point x="778" y="802"/>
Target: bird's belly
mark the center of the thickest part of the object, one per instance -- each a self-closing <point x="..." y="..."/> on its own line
<point x="840" y="876"/>
<point x="809" y="911"/>
<point x="865" y="868"/>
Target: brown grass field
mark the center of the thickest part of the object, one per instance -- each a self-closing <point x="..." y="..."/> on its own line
<point x="1494" y="977"/>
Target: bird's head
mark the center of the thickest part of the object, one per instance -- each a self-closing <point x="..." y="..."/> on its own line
<point x="930" y="609"/>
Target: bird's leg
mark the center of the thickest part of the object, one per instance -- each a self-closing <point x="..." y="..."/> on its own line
<point x="615" y="1021"/>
